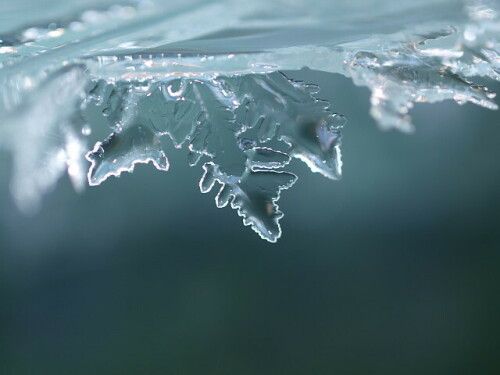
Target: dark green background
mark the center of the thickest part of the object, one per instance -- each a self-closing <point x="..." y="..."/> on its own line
<point x="393" y="270"/>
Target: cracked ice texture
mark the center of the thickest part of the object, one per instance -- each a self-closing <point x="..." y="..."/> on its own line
<point x="203" y="75"/>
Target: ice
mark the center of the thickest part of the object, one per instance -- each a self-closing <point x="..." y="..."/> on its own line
<point x="229" y="122"/>
<point x="92" y="88"/>
<point x="42" y="138"/>
<point x="254" y="194"/>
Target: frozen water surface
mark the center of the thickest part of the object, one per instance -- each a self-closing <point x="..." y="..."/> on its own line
<point x="205" y="76"/>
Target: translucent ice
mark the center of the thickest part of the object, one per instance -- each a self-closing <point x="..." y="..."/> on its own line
<point x="228" y="121"/>
<point x="205" y="76"/>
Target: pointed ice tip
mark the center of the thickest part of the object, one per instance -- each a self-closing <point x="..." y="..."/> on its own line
<point x="120" y="152"/>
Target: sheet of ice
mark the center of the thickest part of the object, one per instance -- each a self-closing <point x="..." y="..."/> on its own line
<point x="205" y="75"/>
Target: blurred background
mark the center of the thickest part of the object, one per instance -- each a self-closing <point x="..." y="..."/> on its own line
<point x="393" y="270"/>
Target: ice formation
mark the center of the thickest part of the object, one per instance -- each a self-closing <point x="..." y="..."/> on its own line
<point x="206" y="76"/>
<point x="228" y="121"/>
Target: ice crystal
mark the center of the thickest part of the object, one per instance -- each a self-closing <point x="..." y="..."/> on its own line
<point x="228" y="121"/>
<point x="205" y="76"/>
